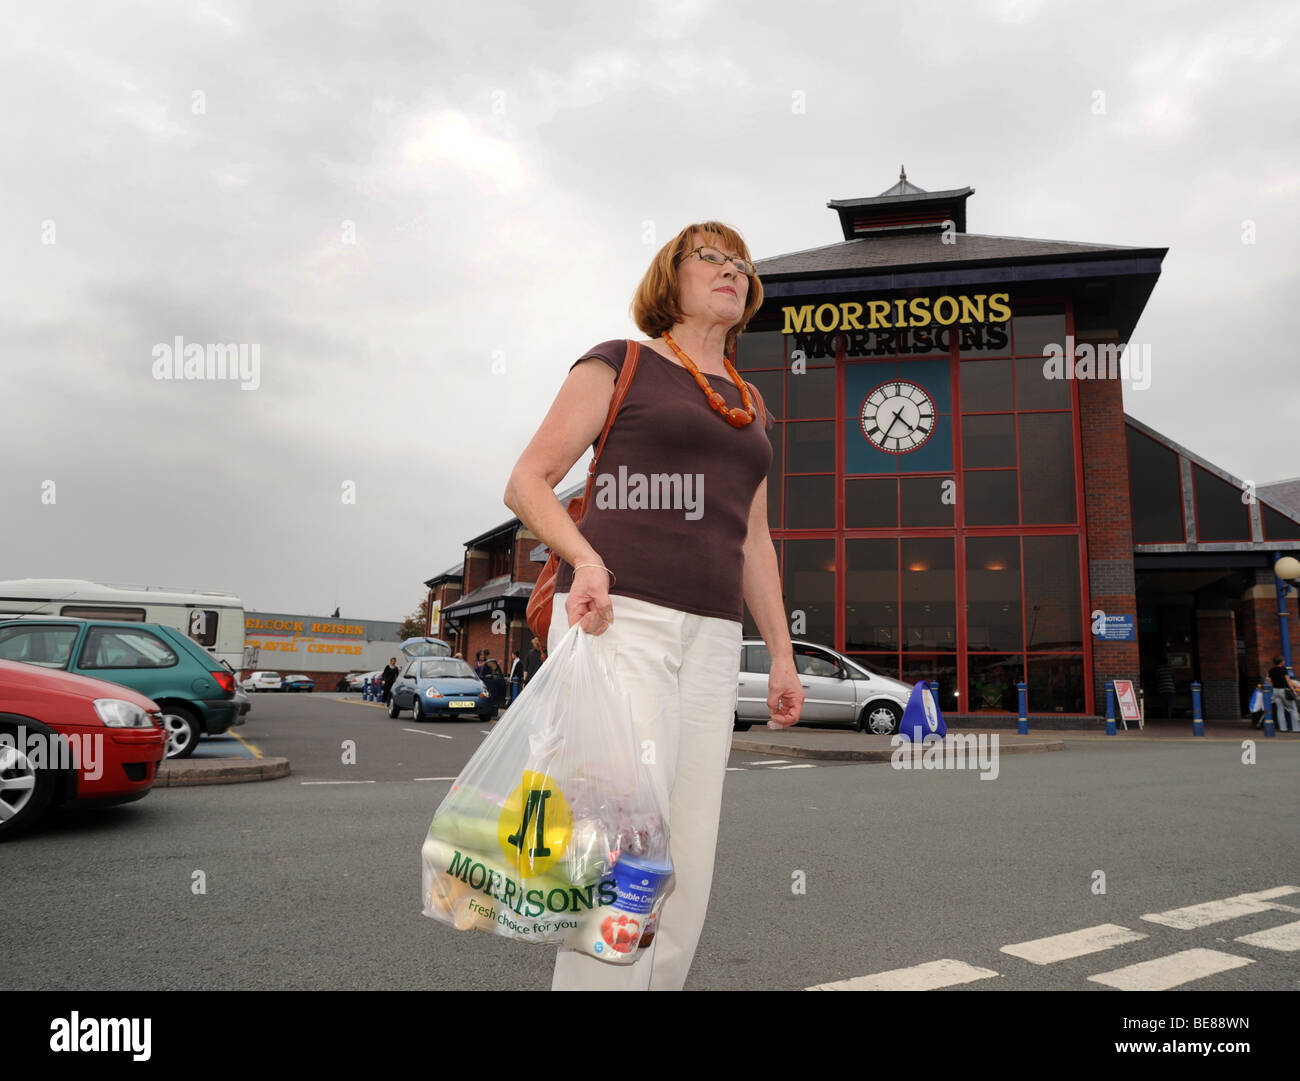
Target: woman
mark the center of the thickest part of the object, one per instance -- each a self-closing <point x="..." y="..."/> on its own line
<point x="666" y="580"/>
<point x="1284" y="696"/>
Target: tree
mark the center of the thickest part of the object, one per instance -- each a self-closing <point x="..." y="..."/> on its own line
<point x="416" y="622"/>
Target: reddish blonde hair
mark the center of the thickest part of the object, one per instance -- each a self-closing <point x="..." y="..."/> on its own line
<point x="656" y="306"/>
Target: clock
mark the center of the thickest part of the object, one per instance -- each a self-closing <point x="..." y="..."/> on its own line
<point x="898" y="416"/>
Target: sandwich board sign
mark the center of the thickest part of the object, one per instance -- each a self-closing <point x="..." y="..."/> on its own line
<point x="1128" y="702"/>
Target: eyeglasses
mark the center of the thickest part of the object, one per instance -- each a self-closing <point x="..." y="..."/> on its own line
<point x="717" y="258"/>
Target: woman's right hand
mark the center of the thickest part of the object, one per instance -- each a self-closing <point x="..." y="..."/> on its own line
<point x="588" y="601"/>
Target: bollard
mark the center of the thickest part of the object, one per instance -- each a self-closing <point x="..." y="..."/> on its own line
<point x="1023" y="693"/>
<point x="1198" y="725"/>
<point x="1270" y="729"/>
<point x="1110" y="708"/>
<point x="368" y="692"/>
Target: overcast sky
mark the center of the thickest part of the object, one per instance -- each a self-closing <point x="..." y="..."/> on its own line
<point x="394" y="202"/>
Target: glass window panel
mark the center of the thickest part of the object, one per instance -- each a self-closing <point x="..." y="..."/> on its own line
<point x="109" y="648"/>
<point x="808" y="582"/>
<point x="878" y="664"/>
<point x="983" y="340"/>
<point x="940" y="667"/>
<point x="991" y="683"/>
<point x="763" y="349"/>
<point x="1220" y="513"/>
<point x="1053" y="619"/>
<point x="986" y="386"/>
<point x="1278" y="526"/>
<point x="928" y="594"/>
<point x="810" y="503"/>
<point x="811" y="393"/>
<point x="1056" y="685"/>
<point x="1030" y="333"/>
<point x="993" y="593"/>
<point x="756" y="659"/>
<point x="988" y="440"/>
<point x="1035" y="391"/>
<point x="927" y="501"/>
<point x="871" y="504"/>
<point x="1046" y="468"/>
<point x="1155" y="491"/>
<point x="775" y="473"/>
<point x="871" y="594"/>
<point x="810" y="447"/>
<point x="50" y="647"/>
<point x="991" y="497"/>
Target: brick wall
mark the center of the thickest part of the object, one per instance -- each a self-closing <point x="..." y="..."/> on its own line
<point x="1109" y="526"/>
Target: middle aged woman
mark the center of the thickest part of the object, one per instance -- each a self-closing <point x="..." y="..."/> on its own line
<point x="667" y="578"/>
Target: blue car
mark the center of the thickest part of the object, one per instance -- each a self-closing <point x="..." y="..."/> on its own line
<point x="440" y="687"/>
<point x="297" y="683"/>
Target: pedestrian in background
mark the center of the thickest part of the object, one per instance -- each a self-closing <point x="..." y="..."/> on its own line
<point x="516" y="674"/>
<point x="533" y="660"/>
<point x="389" y="677"/>
<point x="1284" y="697"/>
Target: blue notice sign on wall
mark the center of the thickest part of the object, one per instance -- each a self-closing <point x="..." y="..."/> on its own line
<point x="1116" y="629"/>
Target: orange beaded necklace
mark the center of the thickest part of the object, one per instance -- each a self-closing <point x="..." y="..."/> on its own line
<point x="737" y="418"/>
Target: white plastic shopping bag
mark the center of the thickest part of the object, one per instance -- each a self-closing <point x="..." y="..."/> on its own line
<point x="552" y="832"/>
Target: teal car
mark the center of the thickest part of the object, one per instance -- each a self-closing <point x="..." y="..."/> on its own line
<point x="194" y="690"/>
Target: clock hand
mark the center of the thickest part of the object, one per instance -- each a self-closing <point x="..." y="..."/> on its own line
<point x="893" y="422"/>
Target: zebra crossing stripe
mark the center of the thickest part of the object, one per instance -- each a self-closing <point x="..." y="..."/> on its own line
<point x="1285" y="938"/>
<point x="927" y="977"/>
<point x="1176" y="969"/>
<point x="1244" y="904"/>
<point x="1046" y="951"/>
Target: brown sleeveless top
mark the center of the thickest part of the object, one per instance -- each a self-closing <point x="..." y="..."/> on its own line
<point x="669" y="508"/>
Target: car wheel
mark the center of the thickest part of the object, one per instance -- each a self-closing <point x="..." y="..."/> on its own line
<point x="393" y="709"/>
<point x="25" y="789"/>
<point x="741" y="726"/>
<point x="880" y="719"/>
<point x="183" y="731"/>
<point x="417" y="712"/>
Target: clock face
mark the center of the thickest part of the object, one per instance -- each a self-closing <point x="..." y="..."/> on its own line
<point x="898" y="416"/>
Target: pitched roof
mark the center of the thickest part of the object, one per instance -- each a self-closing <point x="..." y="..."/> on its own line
<point x="917" y="249"/>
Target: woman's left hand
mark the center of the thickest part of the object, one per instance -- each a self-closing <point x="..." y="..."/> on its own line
<point x="784" y="695"/>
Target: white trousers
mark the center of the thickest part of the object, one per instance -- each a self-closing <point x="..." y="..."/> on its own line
<point x="682" y="674"/>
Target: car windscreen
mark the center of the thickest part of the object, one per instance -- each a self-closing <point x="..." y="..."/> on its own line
<point x="446" y="668"/>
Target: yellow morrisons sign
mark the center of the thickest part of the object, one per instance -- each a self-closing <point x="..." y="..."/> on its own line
<point x="887" y="314"/>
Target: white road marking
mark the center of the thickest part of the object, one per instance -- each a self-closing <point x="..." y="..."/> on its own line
<point x="735" y="769"/>
<point x="1244" y="904"/>
<point x="1172" y="971"/>
<point x="1045" y="951"/>
<point x="800" y="765"/>
<point x="433" y="778"/>
<point x="485" y="731"/>
<point x="927" y="977"/>
<point x="422" y="732"/>
<point x="1285" y="938"/>
<point x="769" y="761"/>
<point x="336" y="782"/>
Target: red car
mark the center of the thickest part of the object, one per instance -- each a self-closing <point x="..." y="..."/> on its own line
<point x="70" y="739"/>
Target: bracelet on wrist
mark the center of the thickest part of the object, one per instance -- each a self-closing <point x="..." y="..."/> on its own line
<point x="602" y="566"/>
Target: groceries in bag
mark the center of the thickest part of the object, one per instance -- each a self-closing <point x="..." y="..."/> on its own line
<point x="553" y="832"/>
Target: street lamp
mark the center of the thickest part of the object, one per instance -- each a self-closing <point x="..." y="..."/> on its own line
<point x="1285" y="571"/>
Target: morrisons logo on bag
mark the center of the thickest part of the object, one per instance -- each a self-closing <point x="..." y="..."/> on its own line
<point x="534" y="902"/>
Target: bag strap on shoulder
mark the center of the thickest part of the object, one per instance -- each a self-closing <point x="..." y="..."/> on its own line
<point x="615" y="404"/>
<point x="758" y="398"/>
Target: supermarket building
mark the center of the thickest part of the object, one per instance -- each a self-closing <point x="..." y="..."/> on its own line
<point x="956" y="492"/>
